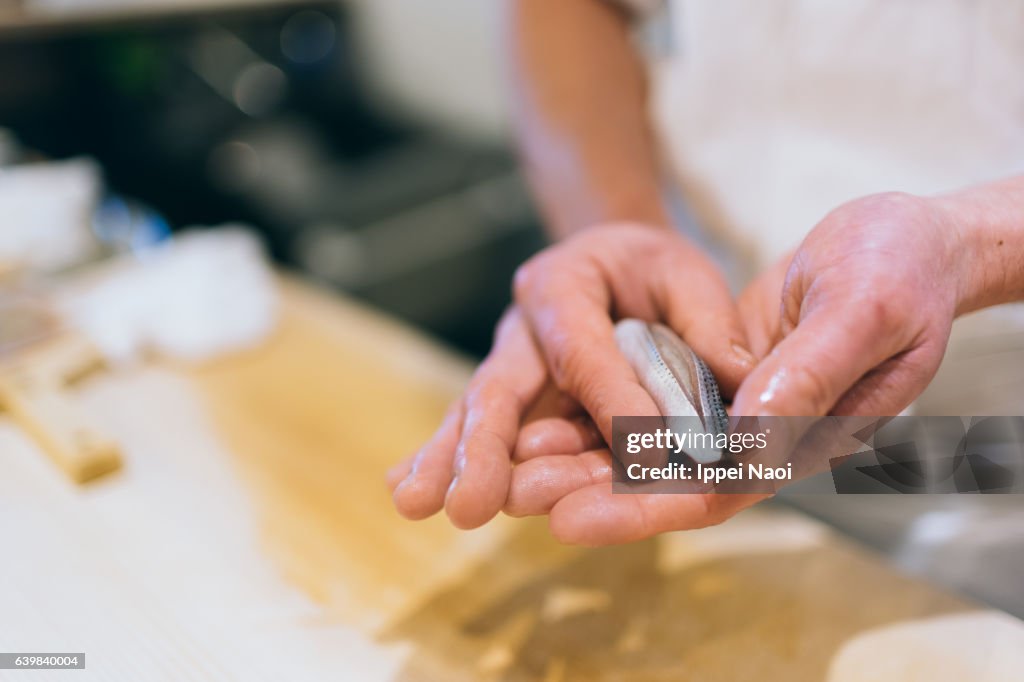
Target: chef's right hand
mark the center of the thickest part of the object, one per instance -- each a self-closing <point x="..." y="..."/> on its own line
<point x="561" y="331"/>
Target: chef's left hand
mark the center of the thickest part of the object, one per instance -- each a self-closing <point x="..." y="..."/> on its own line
<point x="860" y="320"/>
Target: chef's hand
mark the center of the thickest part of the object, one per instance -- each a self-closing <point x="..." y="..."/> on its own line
<point x="509" y="412"/>
<point x="760" y="307"/>
<point x="572" y="294"/>
<point x="567" y="299"/>
<point x="854" y="322"/>
<point x="860" y="320"/>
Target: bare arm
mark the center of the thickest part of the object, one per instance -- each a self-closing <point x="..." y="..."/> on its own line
<point x="990" y="221"/>
<point x="579" y="104"/>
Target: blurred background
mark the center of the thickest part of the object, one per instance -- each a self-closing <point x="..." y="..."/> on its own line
<point x="366" y="142"/>
<point x="339" y="130"/>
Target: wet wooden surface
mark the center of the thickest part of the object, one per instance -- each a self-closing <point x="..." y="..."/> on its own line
<point x="251" y="536"/>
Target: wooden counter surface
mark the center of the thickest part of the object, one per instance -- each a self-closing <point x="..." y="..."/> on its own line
<point x="251" y="537"/>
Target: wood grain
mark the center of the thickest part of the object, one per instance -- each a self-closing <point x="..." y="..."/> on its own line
<point x="318" y="416"/>
<point x="251" y="537"/>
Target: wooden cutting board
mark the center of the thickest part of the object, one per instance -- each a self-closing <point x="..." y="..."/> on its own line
<point x="251" y="536"/>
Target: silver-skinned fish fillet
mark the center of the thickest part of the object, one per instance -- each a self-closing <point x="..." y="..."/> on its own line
<point x="679" y="382"/>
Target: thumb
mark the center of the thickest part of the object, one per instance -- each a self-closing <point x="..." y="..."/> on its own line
<point x="811" y="369"/>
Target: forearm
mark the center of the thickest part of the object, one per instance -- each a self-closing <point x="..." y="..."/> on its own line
<point x="579" y="94"/>
<point x="990" y="219"/>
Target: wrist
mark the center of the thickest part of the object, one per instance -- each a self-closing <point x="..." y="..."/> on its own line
<point x="988" y="226"/>
<point x="639" y="206"/>
<point x="641" y="209"/>
<point x="645" y="207"/>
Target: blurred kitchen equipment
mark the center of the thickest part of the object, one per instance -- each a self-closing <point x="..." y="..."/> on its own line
<point x="47" y="210"/>
<point x="39" y="358"/>
<point x="290" y="116"/>
<point x="199" y="296"/>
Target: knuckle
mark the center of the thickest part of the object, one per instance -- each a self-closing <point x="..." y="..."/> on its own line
<point x="478" y="384"/>
<point x="484" y="393"/>
<point x="882" y="311"/>
<point x="506" y="325"/>
<point x="892" y="201"/>
<point x="596" y="402"/>
<point x="881" y="207"/>
<point x="568" y="369"/>
<point x="857" y="225"/>
<point x="523" y="278"/>
<point x="529" y="275"/>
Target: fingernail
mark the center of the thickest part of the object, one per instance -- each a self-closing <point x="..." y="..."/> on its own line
<point x="745" y="356"/>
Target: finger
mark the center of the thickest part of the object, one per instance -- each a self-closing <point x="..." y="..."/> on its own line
<point x="557" y="436"/>
<point x="421" y="492"/>
<point x="569" y="315"/>
<point x="399" y="472"/>
<point x="756" y="324"/>
<point x="709" y="322"/>
<point x="538" y="484"/>
<point x="759" y="306"/>
<point x="595" y="516"/>
<point x="889" y="389"/>
<point x="508" y="382"/>
<point x="811" y="369"/>
<point x="553" y="403"/>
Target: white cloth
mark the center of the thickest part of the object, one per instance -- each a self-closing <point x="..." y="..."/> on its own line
<point x="203" y="294"/>
<point x="773" y="113"/>
<point x="46" y="210"/>
<point x="770" y="114"/>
